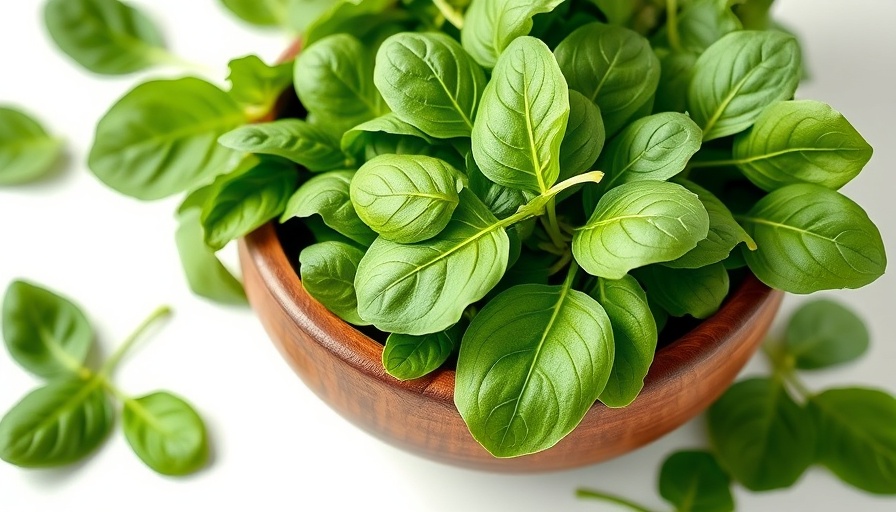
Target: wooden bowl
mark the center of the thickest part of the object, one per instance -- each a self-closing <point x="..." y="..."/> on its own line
<point x="343" y="367"/>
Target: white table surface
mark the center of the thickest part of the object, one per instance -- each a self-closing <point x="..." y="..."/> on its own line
<point x="275" y="445"/>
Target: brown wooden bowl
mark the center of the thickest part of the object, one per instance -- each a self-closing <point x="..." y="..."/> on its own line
<point x="343" y="367"/>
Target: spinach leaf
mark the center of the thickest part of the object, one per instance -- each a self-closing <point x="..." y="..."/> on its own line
<point x="205" y="273"/>
<point x="328" y="274"/>
<point x="411" y="357"/>
<point x="613" y="67"/>
<point x="639" y="223"/>
<point x="856" y="439"/>
<point x="161" y="138"/>
<point x="266" y="13"/>
<point x="429" y="82"/>
<point x="490" y="26"/>
<point x="693" y="481"/>
<point x="677" y="69"/>
<point x="256" y="86"/>
<point x="56" y="424"/>
<point x="105" y="36"/>
<point x="823" y="333"/>
<point x="166" y="433"/>
<point x="584" y="138"/>
<point x="634" y="335"/>
<point x="801" y="142"/>
<point x="738" y="76"/>
<point x="327" y="195"/>
<point x="310" y="146"/>
<point x="522" y="118"/>
<point x="424" y="288"/>
<point x="811" y="238"/>
<point x="698" y="292"/>
<point x="27" y="152"/>
<point x="531" y="364"/>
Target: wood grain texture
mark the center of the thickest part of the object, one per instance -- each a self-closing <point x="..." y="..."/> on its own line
<point x="342" y="366"/>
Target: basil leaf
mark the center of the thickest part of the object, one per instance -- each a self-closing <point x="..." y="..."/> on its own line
<point x="406" y="198"/>
<point x="677" y="69"/>
<point x="328" y="274"/>
<point x="166" y="433"/>
<point x="27" y="152"/>
<point x="856" y="439"/>
<point x="761" y="436"/>
<point x="407" y="289"/>
<point x="811" y="238"/>
<point x="755" y="14"/>
<point x="613" y="67"/>
<point x="244" y="202"/>
<point x="294" y="139"/>
<point x="824" y="333"/>
<point x="618" y="12"/>
<point x="356" y="140"/>
<point x="161" y="138"/>
<point x="639" y="223"/>
<point x="531" y="364"/>
<point x="45" y="333"/>
<point x="703" y="23"/>
<point x="205" y="273"/>
<point x="429" y="82"/>
<point x="411" y="357"/>
<point x="634" y="335"/>
<point x="584" y="138"/>
<point x="350" y="16"/>
<point x="105" y="36"/>
<point x="724" y="232"/>
<point x="56" y="424"/>
<point x="522" y="118"/>
<point x="501" y="201"/>
<point x="801" y="142"/>
<point x="255" y="85"/>
<point x="693" y="481"/>
<point x="327" y="195"/>
<point x="738" y="76"/>
<point x="265" y="13"/>
<point x="490" y="26"/>
<point x="698" y="292"/>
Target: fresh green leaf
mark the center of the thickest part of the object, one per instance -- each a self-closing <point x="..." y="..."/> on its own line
<point x="343" y="16"/>
<point x="56" y="424"/>
<point x="738" y="76"/>
<point x="205" y="273"/>
<point x="693" y="481"/>
<point x="703" y="23"/>
<point x="677" y="69"/>
<point x="811" y="238"/>
<point x="639" y="223"/>
<point x="522" y="118"/>
<point x="584" y="138"/>
<point x="502" y="201"/>
<point x="255" y="85"/>
<point x="411" y="357"/>
<point x="166" y="433"/>
<point x="310" y="146"/>
<point x="613" y="67"/>
<point x="265" y="13"/>
<point x="161" y="138"/>
<point x="430" y="82"/>
<point x="698" y="292"/>
<point x="328" y="274"/>
<point x="327" y="195"/>
<point x="824" y="333"/>
<point x="424" y="288"/>
<point x="801" y="142"/>
<point x="618" y="12"/>
<point x="356" y="140"/>
<point x="490" y="26"/>
<point x="754" y="14"/>
<point x="531" y="364"/>
<point x="761" y="436"/>
<point x="105" y="36"/>
<point x="27" y="152"/>
<point x="45" y="333"/>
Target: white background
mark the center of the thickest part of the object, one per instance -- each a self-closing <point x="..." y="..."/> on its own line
<point x="276" y="446"/>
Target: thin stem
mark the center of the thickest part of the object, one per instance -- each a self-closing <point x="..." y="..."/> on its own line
<point x="452" y="16"/>
<point x="553" y="227"/>
<point x="159" y="313"/>
<point x="571" y="274"/>
<point x="672" y="25"/>
<point x="597" y="495"/>
<point x="565" y="258"/>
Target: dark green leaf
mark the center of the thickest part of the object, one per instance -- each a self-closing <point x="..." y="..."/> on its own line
<point x="675" y="78"/>
<point x="255" y="85"/>
<point x="618" y="12"/>
<point x="490" y="26"/>
<point x="584" y="138"/>
<point x="693" y="481"/>
<point x="310" y="146"/>
<point x="166" y="433"/>
<point x="328" y="274"/>
<point x="411" y="357"/>
<point x="824" y="333"/>
<point x="27" y="152"/>
<point x="502" y="201"/>
<point x="698" y="292"/>
<point x="327" y="195"/>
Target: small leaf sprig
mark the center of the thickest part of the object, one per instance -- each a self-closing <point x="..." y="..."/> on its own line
<point x="66" y="419"/>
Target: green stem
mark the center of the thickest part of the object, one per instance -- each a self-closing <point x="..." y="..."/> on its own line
<point x="672" y="25"/>
<point x="571" y="274"/>
<point x="784" y="369"/>
<point x="552" y="226"/>
<point x="597" y="495"/>
<point x="110" y="365"/>
<point x="565" y="258"/>
<point x="452" y="16"/>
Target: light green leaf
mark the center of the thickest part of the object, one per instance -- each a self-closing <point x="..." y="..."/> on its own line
<point x="266" y="13"/>
<point x="294" y="139"/>
<point x="703" y="23"/>
<point x="257" y="86"/>
<point x="584" y="138"/>
<point x="693" y="481"/>
<point x="698" y="292"/>
<point x="823" y="333"/>
<point x="490" y="26"/>
<point x="411" y="357"/>
<point x="27" y="152"/>
<point x="356" y="140"/>
<point x="618" y="12"/>
<point x="327" y="195"/>
<point x="343" y="16"/>
<point x="328" y="274"/>
<point x="166" y="433"/>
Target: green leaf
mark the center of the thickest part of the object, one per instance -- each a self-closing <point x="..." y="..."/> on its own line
<point x="584" y="138"/>
<point x="166" y="433"/>
<point x="698" y="292"/>
<point x="244" y="202"/>
<point x="811" y="238"/>
<point x="411" y="357"/>
<point x="635" y="335"/>
<point x="349" y="16"/>
<point x="613" y="67"/>
<point x="310" y="146"/>
<point x="740" y="75"/>
<point x="56" y="424"/>
<point x="406" y="198"/>
<point x="755" y="14"/>
<point x="502" y="201"/>
<point x="693" y="481"/>
<point x="637" y="224"/>
<point x="27" y="152"/>
<point x="265" y="13"/>
<point x="424" y="288"/>
<point x="327" y="195"/>
<point x="359" y="138"/>
<point x="205" y="273"/>
<point x="430" y="82"/>
<point x="490" y="26"/>
<point x="856" y="438"/>
<point x="531" y="364"/>
<point x="255" y="85"/>
<point x="522" y="118"/>
<point x="105" y="36"/>
<point x="45" y="333"/>
<point x="618" y="12"/>
<point x="801" y="142"/>
<point x="823" y="333"/>
<point x="328" y="274"/>
<point x="703" y="23"/>
<point x="161" y="138"/>
<point x="677" y="69"/>
<point x="761" y="436"/>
